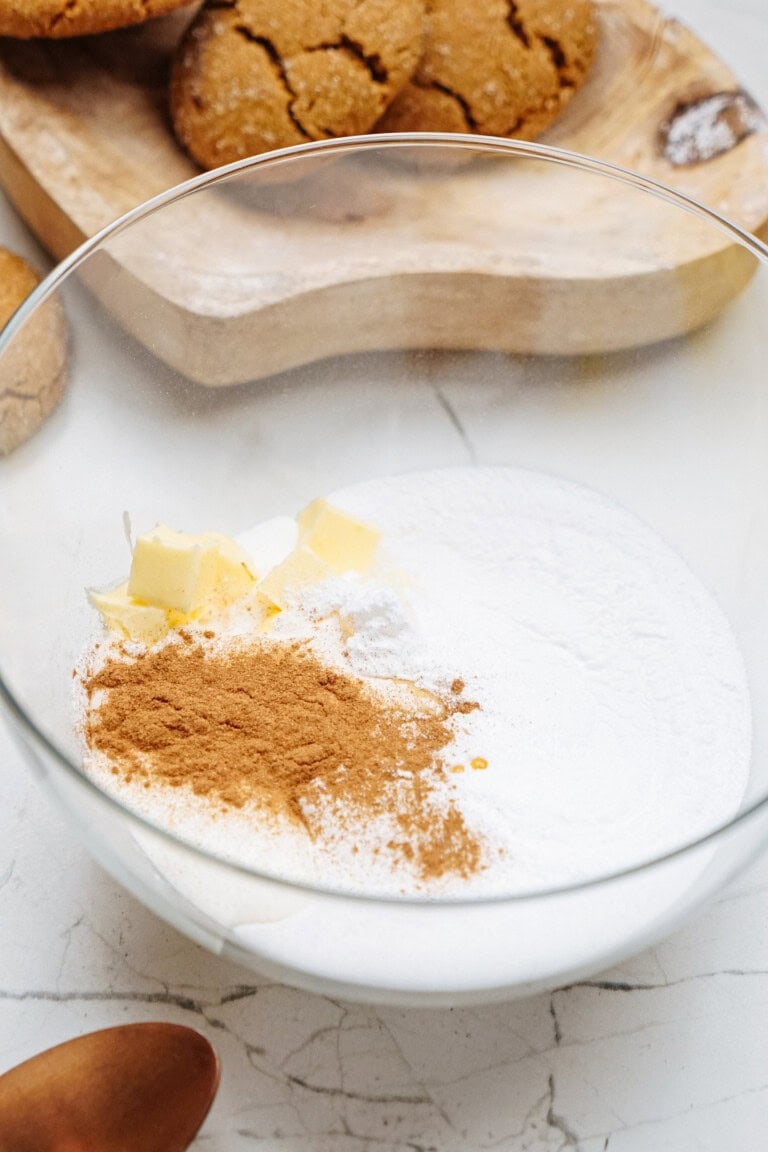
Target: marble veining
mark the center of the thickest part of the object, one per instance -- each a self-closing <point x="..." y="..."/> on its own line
<point x="667" y="1052"/>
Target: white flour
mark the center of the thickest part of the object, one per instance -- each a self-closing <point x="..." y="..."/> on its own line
<point x="615" y="715"/>
<point x="376" y="636"/>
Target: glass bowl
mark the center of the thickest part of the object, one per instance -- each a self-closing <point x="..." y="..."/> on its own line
<point x="275" y="330"/>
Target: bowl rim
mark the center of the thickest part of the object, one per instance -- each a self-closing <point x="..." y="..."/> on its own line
<point x="488" y="145"/>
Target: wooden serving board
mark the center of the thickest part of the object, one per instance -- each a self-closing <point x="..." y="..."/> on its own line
<point x="238" y="284"/>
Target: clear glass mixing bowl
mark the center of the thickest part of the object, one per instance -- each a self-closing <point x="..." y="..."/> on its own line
<point x="306" y="320"/>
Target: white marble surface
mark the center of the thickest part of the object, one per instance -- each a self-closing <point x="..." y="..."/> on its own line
<point x="669" y="1053"/>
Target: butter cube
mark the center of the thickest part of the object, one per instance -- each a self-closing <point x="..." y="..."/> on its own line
<point x="167" y="570"/>
<point x="300" y="567"/>
<point x="227" y="568"/>
<point x="345" y="544"/>
<point x="188" y="574"/>
<point x="135" y="621"/>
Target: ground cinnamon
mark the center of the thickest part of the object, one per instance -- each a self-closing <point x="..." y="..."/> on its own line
<point x="268" y="724"/>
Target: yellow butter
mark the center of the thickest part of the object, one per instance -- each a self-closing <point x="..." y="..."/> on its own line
<point x="300" y="567"/>
<point x="167" y="570"/>
<point x="194" y="575"/>
<point x="227" y="569"/>
<point x="345" y="544"/>
<point x="134" y="621"/>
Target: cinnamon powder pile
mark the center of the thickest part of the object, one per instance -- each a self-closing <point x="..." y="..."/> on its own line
<point x="269" y="724"/>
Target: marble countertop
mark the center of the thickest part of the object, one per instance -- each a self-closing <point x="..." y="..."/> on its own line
<point x="668" y="1053"/>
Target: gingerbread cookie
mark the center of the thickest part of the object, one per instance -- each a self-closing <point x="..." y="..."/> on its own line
<point x="496" y="67"/>
<point x="54" y="19"/>
<point x="253" y="75"/>
<point x="33" y="366"/>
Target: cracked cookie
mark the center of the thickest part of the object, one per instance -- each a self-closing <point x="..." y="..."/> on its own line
<point x="496" y="67"/>
<point x="253" y="75"/>
<point x="33" y="366"/>
<point x="54" y="19"/>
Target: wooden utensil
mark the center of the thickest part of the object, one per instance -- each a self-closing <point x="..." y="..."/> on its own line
<point x="84" y="136"/>
<point x="135" y="1088"/>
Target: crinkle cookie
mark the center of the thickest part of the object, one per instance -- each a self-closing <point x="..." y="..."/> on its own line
<point x="252" y="75"/>
<point x="53" y="19"/>
<point x="496" y="67"/>
<point x="33" y="366"/>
